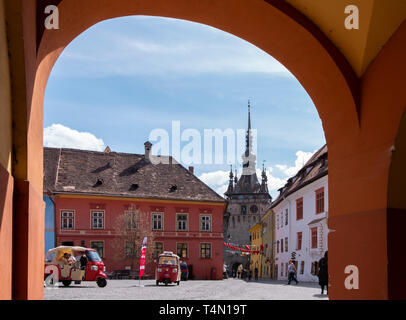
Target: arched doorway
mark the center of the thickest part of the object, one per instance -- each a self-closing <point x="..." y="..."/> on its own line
<point x="359" y="135"/>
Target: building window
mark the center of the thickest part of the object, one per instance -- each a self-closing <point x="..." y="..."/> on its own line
<point x="158" y="249"/>
<point x="277" y="246"/>
<point x="131" y="220"/>
<point x="281" y="245"/>
<point x="302" y="265"/>
<point x="314" y="237"/>
<point x="282" y="219"/>
<point x="205" y="223"/>
<point x="205" y="250"/>
<point x="299" y="241"/>
<point x="97" y="219"/>
<point x="315" y="267"/>
<point x="98" y="246"/>
<point x="243" y="209"/>
<point x="320" y="200"/>
<point x="286" y="217"/>
<point x="286" y="245"/>
<point x="67" y="219"/>
<point x="157" y="221"/>
<point x="130" y="249"/>
<point x="299" y="209"/>
<point x="277" y="221"/>
<point x="181" y="250"/>
<point x="181" y="222"/>
<point x="282" y="265"/>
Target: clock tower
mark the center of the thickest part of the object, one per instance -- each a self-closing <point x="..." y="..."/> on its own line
<point x="247" y="201"/>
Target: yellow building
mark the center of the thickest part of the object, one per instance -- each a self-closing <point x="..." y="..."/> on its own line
<point x="256" y="242"/>
<point x="268" y="238"/>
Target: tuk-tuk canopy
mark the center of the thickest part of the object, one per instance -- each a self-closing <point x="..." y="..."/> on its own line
<point x="168" y="258"/>
<point x="56" y="254"/>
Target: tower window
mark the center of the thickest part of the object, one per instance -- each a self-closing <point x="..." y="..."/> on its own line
<point x="243" y="210"/>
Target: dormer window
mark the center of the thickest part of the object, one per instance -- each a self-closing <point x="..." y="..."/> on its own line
<point x="134" y="187"/>
<point x="98" y="183"/>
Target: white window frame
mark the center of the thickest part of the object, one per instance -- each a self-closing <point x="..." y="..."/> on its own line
<point x="202" y="222"/>
<point x="161" y="220"/>
<point x="186" y="222"/>
<point x="73" y="219"/>
<point x="102" y="217"/>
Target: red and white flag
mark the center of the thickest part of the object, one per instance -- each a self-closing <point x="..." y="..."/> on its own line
<point x="143" y="254"/>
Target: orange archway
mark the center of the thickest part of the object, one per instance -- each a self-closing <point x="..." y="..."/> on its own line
<point x="359" y="132"/>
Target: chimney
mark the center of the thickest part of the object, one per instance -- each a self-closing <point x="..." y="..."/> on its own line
<point x="147" y="146"/>
<point x="192" y="170"/>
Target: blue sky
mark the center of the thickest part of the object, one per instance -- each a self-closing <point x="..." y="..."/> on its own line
<point x="125" y="77"/>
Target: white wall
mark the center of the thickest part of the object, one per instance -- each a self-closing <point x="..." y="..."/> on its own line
<point x="294" y="226"/>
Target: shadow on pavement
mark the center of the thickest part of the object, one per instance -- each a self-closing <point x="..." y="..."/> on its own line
<point x="281" y="283"/>
<point x="320" y="296"/>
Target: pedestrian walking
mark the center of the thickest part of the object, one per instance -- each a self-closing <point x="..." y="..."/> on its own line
<point x="292" y="272"/>
<point x="323" y="273"/>
<point x="256" y="274"/>
<point x="249" y="275"/>
<point x="239" y="271"/>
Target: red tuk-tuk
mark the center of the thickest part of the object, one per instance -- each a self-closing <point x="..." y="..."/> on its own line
<point x="168" y="268"/>
<point x="72" y="263"/>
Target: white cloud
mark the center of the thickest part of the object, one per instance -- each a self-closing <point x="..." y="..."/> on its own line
<point x="59" y="136"/>
<point x="215" y="178"/>
<point x="301" y="158"/>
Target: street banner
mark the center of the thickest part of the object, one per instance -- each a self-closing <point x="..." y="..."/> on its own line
<point x="143" y="254"/>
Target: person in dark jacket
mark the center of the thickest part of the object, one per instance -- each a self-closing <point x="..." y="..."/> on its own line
<point x="83" y="262"/>
<point x="323" y="273"/>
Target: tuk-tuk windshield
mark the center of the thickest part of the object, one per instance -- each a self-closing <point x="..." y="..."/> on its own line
<point x="168" y="260"/>
<point x="93" y="256"/>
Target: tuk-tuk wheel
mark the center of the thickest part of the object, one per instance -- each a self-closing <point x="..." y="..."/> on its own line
<point x="101" y="282"/>
<point x="157" y="283"/>
<point x="66" y="283"/>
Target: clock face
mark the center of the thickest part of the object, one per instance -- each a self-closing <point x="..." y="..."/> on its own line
<point x="254" y="208"/>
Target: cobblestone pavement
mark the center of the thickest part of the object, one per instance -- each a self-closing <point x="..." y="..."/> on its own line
<point x="229" y="289"/>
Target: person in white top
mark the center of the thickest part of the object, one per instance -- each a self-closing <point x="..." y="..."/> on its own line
<point x="292" y="272"/>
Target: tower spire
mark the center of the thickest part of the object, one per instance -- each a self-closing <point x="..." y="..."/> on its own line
<point x="249" y="115"/>
<point x="248" y="156"/>
<point x="264" y="184"/>
<point x="230" y="188"/>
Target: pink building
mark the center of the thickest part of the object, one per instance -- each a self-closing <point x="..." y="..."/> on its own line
<point x="91" y="190"/>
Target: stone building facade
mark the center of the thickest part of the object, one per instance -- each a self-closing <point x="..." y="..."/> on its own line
<point x="247" y="201"/>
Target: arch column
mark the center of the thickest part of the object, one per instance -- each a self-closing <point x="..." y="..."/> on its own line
<point x="366" y="225"/>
